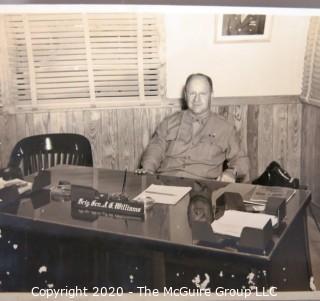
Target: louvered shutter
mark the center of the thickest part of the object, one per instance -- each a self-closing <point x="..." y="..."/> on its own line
<point x="125" y="55"/>
<point x="92" y="57"/>
<point x="59" y="57"/>
<point x="311" y="75"/>
<point x="18" y="59"/>
<point x="151" y="56"/>
<point x="113" y="40"/>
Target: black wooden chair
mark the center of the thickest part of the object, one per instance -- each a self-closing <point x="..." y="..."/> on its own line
<point x="39" y="152"/>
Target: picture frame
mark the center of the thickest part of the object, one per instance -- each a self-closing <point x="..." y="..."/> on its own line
<point x="243" y="28"/>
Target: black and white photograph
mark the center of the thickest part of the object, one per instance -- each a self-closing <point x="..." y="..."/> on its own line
<point x="243" y="27"/>
<point x="144" y="155"/>
<point x="243" y="24"/>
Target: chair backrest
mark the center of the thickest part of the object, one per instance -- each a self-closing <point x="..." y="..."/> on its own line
<point x="39" y="152"/>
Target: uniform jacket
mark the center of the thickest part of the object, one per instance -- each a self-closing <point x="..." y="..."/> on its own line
<point x="251" y="25"/>
<point x="174" y="150"/>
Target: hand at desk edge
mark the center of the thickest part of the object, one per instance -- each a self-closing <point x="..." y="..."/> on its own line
<point x="229" y="175"/>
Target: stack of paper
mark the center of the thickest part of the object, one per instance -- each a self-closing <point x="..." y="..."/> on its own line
<point x="233" y="222"/>
<point x="22" y="185"/>
<point x="163" y="194"/>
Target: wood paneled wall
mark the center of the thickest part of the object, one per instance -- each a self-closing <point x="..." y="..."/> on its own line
<point x="118" y="136"/>
<point x="310" y="153"/>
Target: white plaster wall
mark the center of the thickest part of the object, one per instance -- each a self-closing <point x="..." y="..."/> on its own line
<point x="260" y="68"/>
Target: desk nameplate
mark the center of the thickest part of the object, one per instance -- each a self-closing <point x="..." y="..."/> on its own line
<point x="86" y="198"/>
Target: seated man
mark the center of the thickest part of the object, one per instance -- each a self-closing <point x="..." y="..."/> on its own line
<point x="195" y="142"/>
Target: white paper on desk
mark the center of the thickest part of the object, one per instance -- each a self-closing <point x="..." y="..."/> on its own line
<point x="233" y="222"/>
<point x="22" y="185"/>
<point x="163" y="194"/>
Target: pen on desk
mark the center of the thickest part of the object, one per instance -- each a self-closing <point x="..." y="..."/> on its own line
<point x="124" y="181"/>
<point x="255" y="203"/>
<point x="158" y="192"/>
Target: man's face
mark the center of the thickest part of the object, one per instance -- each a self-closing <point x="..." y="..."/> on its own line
<point x="198" y="95"/>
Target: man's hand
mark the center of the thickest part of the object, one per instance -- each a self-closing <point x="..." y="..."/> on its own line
<point x="141" y="171"/>
<point x="228" y="176"/>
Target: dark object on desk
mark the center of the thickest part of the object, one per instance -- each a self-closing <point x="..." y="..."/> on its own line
<point x="42" y="180"/>
<point x="84" y="192"/>
<point x="228" y="201"/>
<point x="252" y="240"/>
<point x="256" y="240"/>
<point x="40" y="152"/>
<point x="10" y="173"/>
<point x="8" y="196"/>
<point x="275" y="175"/>
<point x="40" y="199"/>
<point x="124" y="182"/>
<point x="203" y="234"/>
<point x="276" y="206"/>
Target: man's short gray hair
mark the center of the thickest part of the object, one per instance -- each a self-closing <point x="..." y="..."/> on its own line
<point x="191" y="76"/>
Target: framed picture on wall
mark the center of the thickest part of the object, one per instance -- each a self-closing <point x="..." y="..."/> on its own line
<point x="243" y="27"/>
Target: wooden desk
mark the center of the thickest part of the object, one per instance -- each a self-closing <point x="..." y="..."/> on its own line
<point x="56" y="248"/>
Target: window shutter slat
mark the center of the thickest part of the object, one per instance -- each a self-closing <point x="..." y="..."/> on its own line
<point x="58" y="34"/>
<point x="311" y="74"/>
<point x="19" y="90"/>
<point x="113" y="40"/>
<point x="74" y="57"/>
<point x="151" y="63"/>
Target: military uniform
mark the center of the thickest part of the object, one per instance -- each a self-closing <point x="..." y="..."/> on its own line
<point x="251" y="25"/>
<point x="176" y="150"/>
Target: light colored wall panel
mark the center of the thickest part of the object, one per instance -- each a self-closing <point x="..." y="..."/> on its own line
<point x="9" y="138"/>
<point x="92" y="130"/>
<point x="126" y="124"/>
<point x="253" y="138"/>
<point x="294" y="139"/>
<point x="75" y="122"/>
<point x="265" y="139"/>
<point x="41" y="123"/>
<point x="310" y="155"/>
<point x="57" y="122"/>
<point x="110" y="148"/>
<point x="3" y="154"/>
<point x="280" y="133"/>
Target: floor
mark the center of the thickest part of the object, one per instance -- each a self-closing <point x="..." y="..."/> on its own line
<point x="314" y="243"/>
